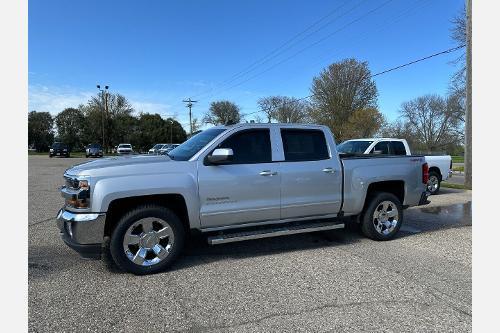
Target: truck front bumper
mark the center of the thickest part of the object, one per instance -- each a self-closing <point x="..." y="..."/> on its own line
<point x="83" y="232"/>
<point x="423" y="198"/>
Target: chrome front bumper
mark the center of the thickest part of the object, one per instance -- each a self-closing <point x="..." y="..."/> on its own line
<point x="83" y="232"/>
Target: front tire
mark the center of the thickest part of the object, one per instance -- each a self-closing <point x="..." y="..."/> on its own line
<point x="147" y="240"/>
<point x="434" y="183"/>
<point x="383" y="216"/>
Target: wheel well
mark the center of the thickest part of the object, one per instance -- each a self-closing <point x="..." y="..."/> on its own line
<point x="436" y="170"/>
<point x="396" y="187"/>
<point x="117" y="208"/>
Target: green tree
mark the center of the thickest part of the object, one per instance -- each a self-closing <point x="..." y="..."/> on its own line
<point x="96" y="113"/>
<point x="69" y="124"/>
<point x="40" y="130"/>
<point x="152" y="129"/>
<point x="339" y="91"/>
<point x="364" y="123"/>
<point x="222" y="113"/>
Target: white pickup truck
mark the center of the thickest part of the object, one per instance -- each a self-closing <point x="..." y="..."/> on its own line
<point x="440" y="166"/>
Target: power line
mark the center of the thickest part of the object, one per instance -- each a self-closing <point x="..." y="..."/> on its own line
<point x="453" y="49"/>
<point x="282" y="51"/>
<point x="260" y="60"/>
<point x="309" y="46"/>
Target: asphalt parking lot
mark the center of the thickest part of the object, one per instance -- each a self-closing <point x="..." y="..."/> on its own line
<point x="325" y="281"/>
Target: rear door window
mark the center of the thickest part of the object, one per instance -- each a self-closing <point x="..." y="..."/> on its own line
<point x="304" y="145"/>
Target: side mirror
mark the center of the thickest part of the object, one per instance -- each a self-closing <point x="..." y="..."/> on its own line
<point x="220" y="156"/>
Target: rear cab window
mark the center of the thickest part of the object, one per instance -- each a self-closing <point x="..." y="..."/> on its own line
<point x="398" y="148"/>
<point x="304" y="145"/>
<point x="381" y="148"/>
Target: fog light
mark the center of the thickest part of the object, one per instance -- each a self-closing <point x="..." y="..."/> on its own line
<point x="69" y="230"/>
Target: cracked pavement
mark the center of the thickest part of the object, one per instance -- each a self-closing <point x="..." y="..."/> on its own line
<point x="318" y="282"/>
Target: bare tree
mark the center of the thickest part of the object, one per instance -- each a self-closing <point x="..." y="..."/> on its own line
<point x="196" y="125"/>
<point x="222" y="113"/>
<point x="435" y="121"/>
<point x="268" y="105"/>
<point x="284" y="109"/>
<point x="459" y="35"/>
<point x="339" y="91"/>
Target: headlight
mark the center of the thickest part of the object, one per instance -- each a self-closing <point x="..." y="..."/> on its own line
<point x="51" y="150"/>
<point x="76" y="192"/>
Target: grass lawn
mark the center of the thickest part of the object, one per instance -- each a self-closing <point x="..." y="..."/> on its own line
<point x="458" y="168"/>
<point x="457" y="159"/>
<point x="457" y="186"/>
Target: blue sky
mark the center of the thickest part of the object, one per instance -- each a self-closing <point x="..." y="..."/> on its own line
<point x="158" y="53"/>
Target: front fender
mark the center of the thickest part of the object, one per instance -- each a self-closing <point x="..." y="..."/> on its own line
<point x="111" y="188"/>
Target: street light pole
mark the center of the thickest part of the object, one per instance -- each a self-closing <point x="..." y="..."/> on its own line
<point x="104" y="96"/>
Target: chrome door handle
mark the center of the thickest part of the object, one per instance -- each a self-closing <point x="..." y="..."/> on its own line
<point x="268" y="173"/>
<point x="329" y="170"/>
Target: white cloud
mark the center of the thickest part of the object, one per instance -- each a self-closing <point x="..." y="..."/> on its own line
<point x="55" y="99"/>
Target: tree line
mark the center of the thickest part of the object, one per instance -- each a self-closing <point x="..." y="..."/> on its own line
<point x="78" y="127"/>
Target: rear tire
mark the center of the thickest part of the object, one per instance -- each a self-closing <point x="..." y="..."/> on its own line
<point x="147" y="240"/>
<point x="382" y="217"/>
<point x="434" y="183"/>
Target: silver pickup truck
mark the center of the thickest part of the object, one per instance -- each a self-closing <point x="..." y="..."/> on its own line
<point x="233" y="183"/>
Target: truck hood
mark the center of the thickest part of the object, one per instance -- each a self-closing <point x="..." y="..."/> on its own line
<point x="123" y="165"/>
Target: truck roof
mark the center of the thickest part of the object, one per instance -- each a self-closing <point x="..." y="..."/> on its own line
<point x="373" y="139"/>
<point x="256" y="125"/>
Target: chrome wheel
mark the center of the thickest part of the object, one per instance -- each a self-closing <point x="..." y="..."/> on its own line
<point x="433" y="183"/>
<point x="385" y="217"/>
<point x="148" y="241"/>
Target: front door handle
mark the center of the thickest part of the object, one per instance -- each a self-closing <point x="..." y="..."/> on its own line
<point x="268" y="173"/>
<point x="329" y="170"/>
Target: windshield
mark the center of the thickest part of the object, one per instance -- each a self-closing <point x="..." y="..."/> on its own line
<point x="157" y="146"/>
<point x="95" y="145"/>
<point x="353" y="147"/>
<point x="124" y="146"/>
<point x="189" y="148"/>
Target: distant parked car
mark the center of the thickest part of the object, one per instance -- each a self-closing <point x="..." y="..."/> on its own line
<point x="124" y="148"/>
<point x="168" y="148"/>
<point x="93" y="149"/>
<point x="156" y="148"/>
<point x="59" y="149"/>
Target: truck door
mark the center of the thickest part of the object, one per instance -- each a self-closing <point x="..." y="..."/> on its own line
<point x="244" y="190"/>
<point x="311" y="175"/>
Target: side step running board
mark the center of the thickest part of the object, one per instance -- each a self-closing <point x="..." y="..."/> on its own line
<point x="272" y="232"/>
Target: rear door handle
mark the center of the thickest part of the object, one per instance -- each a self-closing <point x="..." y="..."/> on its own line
<point x="329" y="170"/>
<point x="268" y="173"/>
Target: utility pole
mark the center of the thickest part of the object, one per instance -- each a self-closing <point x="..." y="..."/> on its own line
<point x="190" y="105"/>
<point x="104" y="96"/>
<point x="171" y="127"/>
<point x="468" y="104"/>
